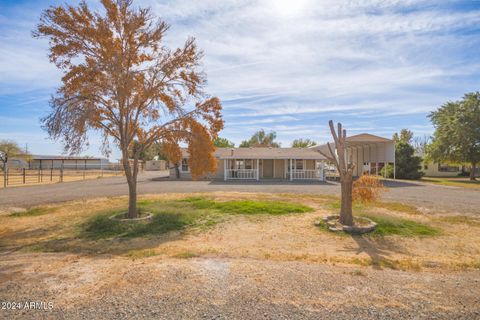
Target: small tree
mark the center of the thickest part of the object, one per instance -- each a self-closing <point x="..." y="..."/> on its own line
<point x="345" y="169"/>
<point x="8" y="150"/>
<point x="121" y="80"/>
<point x="261" y="139"/>
<point x="405" y="136"/>
<point x="457" y="132"/>
<point x="223" y="143"/>
<point x="407" y="165"/>
<point x="387" y="171"/>
<point x="303" y="143"/>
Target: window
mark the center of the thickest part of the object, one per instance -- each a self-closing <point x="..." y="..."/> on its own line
<point x="249" y="164"/>
<point x="239" y="164"/>
<point x="447" y="168"/>
<point x="185" y="165"/>
<point x="298" y="164"/>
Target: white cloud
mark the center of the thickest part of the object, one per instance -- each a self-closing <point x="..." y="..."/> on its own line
<point x="274" y="62"/>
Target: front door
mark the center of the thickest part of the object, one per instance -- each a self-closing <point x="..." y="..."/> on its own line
<point x="267" y="169"/>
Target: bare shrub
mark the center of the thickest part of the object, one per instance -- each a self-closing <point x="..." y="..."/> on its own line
<point x="367" y="189"/>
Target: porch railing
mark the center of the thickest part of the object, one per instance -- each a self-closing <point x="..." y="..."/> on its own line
<point x="242" y="174"/>
<point x="307" y="175"/>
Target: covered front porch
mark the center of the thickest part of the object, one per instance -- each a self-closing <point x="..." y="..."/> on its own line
<point x="273" y="169"/>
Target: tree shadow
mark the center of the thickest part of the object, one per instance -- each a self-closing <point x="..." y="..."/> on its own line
<point x="378" y="249"/>
<point x="399" y="184"/>
<point x="99" y="236"/>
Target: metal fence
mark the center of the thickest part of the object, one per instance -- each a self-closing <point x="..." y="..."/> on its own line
<point x="23" y="176"/>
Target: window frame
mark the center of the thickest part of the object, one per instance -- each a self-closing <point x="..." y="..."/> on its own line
<point x="184" y="163"/>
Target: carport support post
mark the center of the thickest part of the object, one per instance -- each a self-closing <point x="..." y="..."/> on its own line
<point x="258" y="169"/>
<point x="394" y="162"/>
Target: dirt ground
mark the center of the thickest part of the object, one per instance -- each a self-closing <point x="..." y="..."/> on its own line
<point x="248" y="267"/>
<point x="85" y="287"/>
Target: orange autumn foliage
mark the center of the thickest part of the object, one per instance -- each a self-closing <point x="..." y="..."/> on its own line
<point x="367" y="189"/>
<point x="121" y="80"/>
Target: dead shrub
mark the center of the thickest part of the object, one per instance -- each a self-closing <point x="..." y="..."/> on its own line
<point x="367" y="189"/>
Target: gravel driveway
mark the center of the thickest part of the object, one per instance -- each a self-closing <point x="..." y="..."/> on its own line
<point x="204" y="288"/>
<point x="431" y="198"/>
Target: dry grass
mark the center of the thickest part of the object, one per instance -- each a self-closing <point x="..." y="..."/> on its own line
<point x="454" y="182"/>
<point x="280" y="238"/>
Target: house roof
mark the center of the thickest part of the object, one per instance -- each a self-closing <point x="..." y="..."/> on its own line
<point x="46" y="157"/>
<point x="362" y="139"/>
<point x="265" y="153"/>
<point x="366" y="138"/>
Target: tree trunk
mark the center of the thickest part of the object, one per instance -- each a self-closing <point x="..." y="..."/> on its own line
<point x="132" y="187"/>
<point x="346" y="216"/>
<point x="472" y="171"/>
<point x="177" y="172"/>
<point x="132" y="200"/>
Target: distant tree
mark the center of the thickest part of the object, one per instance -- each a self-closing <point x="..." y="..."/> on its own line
<point x="407" y="165"/>
<point x="261" y="139"/>
<point x="303" y="143"/>
<point x="420" y="144"/>
<point x="154" y="150"/>
<point x="405" y="136"/>
<point x="8" y="150"/>
<point x="119" y="78"/>
<point x="223" y="143"/>
<point x="457" y="132"/>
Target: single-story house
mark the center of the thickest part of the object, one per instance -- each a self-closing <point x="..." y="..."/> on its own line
<point x="259" y="164"/>
<point x="435" y="169"/>
<point x="155" y="165"/>
<point x="369" y="153"/>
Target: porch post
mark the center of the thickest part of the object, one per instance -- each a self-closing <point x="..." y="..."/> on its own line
<point x="258" y="169"/>
<point x="225" y="169"/>
<point x="291" y="170"/>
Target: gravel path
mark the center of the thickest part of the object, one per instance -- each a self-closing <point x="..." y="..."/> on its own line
<point x="434" y="198"/>
<point x="202" y="288"/>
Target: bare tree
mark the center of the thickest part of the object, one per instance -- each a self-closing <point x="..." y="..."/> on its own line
<point x="345" y="169"/>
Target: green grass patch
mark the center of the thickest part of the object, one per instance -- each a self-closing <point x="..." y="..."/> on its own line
<point x="197" y="212"/>
<point x="32" y="212"/>
<point x="388" y="225"/>
<point x="187" y="255"/>
<point x="249" y="207"/>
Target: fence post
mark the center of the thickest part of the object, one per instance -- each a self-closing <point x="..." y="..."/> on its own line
<point x="61" y="173"/>
<point x="5" y="175"/>
<point x="51" y="174"/>
<point x="23" y="175"/>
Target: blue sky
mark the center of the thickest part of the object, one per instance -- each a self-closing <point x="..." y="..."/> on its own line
<point x="287" y="66"/>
